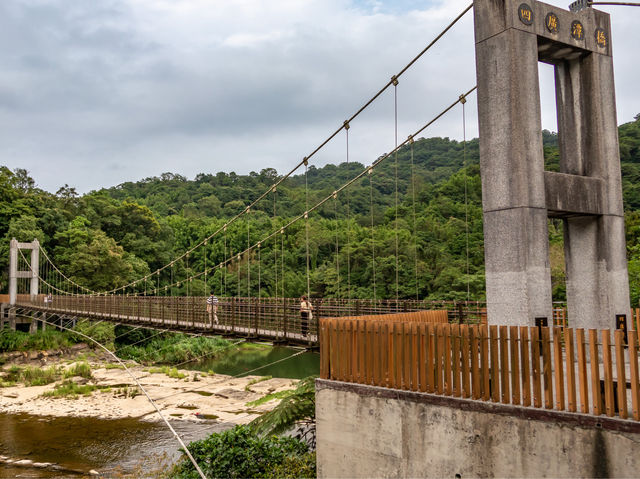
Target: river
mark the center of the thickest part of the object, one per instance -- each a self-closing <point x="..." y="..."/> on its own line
<point x="83" y="444"/>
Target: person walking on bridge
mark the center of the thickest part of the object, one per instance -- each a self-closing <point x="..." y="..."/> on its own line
<point x="306" y="315"/>
<point x="212" y="308"/>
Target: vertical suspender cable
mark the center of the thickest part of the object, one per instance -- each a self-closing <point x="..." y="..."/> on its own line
<point x="415" y="232"/>
<point x="248" y="256"/>
<point x="187" y="276"/>
<point x="238" y="271"/>
<point x="373" y="241"/>
<point x="225" y="260"/>
<point x="306" y="222"/>
<point x="248" y="266"/>
<point x="348" y="246"/>
<point x="282" y="259"/>
<point x="275" y="243"/>
<point x="395" y="114"/>
<point x="335" y="205"/>
<point x="463" y="100"/>
<point x="206" y="290"/>
<point x="259" y="271"/>
<point x="259" y="302"/>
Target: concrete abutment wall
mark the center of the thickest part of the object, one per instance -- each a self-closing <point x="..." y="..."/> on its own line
<point x="367" y="431"/>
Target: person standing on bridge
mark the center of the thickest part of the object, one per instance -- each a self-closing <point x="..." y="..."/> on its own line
<point x="306" y="315"/>
<point x="212" y="308"/>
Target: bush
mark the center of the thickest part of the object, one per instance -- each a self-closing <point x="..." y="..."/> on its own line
<point x="127" y="335"/>
<point x="239" y="453"/>
<point x="81" y="369"/>
<point x="173" y="349"/>
<point x="33" y="376"/>
<point x="20" y="341"/>
<point x="100" y="332"/>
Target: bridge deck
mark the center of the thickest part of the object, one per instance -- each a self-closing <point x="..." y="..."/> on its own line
<point x="268" y="319"/>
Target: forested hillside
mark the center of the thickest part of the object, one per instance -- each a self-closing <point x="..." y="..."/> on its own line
<point x="109" y="237"/>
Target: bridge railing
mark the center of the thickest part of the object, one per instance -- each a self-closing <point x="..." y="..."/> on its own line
<point x="547" y="367"/>
<point x="275" y="318"/>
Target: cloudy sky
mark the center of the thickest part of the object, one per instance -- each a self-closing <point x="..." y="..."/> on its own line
<point x="95" y="93"/>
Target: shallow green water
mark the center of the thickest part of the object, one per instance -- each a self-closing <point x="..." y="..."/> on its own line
<point x="263" y="361"/>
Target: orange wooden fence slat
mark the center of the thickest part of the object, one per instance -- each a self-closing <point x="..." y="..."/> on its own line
<point x="633" y="374"/>
<point x="439" y="358"/>
<point x="324" y="350"/>
<point x="378" y="354"/>
<point x="405" y="353"/>
<point x="504" y="365"/>
<point x="546" y="369"/>
<point x="448" y="389"/>
<point x="570" y="367"/>
<point x="475" y="368"/>
<point x="525" y="377"/>
<point x="609" y="405"/>
<point x="415" y="357"/>
<point x="495" y="366"/>
<point x="536" y="341"/>
<point x="455" y="359"/>
<point x="515" y="365"/>
<point x="582" y="372"/>
<point x="369" y="352"/>
<point x="430" y="359"/>
<point x="620" y="367"/>
<point x="595" y="372"/>
<point x="397" y="355"/>
<point x="383" y="344"/>
<point x="466" y="387"/>
<point x="352" y="352"/>
<point x="423" y="357"/>
<point x="484" y="362"/>
<point x="335" y="360"/>
<point x="362" y="352"/>
<point x="558" y="368"/>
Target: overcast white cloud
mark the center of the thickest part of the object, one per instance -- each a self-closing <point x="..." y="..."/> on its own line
<point x="97" y="93"/>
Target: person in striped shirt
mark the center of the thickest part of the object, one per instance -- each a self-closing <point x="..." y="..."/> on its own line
<point x="212" y="308"/>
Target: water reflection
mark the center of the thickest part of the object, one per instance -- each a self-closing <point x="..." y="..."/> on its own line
<point x="251" y="356"/>
<point x="86" y="443"/>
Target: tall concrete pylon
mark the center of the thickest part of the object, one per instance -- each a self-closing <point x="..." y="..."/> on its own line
<point x="518" y="195"/>
<point x="32" y="273"/>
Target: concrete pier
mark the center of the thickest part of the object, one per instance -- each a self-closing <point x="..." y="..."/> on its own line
<point x="518" y="195"/>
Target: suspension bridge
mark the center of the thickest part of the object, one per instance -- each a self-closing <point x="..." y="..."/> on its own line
<point x="165" y="299"/>
<point x="514" y="357"/>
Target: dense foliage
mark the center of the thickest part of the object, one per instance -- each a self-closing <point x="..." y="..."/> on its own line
<point x="240" y="453"/>
<point x="109" y="237"/>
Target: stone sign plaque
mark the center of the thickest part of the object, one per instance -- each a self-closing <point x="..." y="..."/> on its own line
<point x="525" y="14"/>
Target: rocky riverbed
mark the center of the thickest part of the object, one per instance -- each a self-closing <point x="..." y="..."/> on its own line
<point x="180" y="395"/>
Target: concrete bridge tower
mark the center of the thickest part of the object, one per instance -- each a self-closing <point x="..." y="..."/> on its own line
<point x="518" y="195"/>
<point x="32" y="273"/>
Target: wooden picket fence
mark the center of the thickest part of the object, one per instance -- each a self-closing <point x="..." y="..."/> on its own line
<point x="547" y="367"/>
<point x="439" y="316"/>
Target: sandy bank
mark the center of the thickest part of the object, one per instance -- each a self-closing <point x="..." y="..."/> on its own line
<point x="196" y="397"/>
